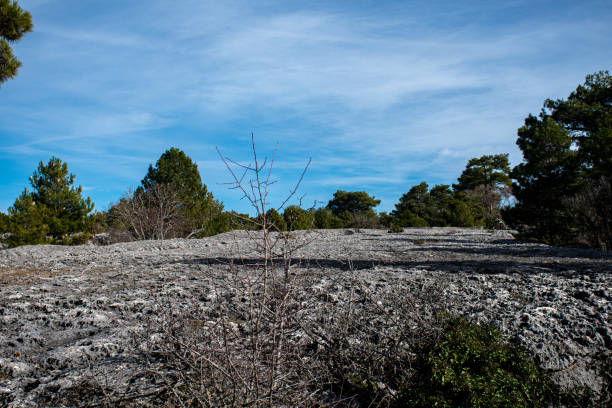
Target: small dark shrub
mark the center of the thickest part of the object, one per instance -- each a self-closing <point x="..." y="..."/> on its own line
<point x="395" y="228"/>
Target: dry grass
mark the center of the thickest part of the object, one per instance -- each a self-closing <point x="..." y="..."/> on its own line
<point x="26" y="276"/>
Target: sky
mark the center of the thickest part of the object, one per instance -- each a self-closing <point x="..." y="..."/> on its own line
<point x="380" y="94"/>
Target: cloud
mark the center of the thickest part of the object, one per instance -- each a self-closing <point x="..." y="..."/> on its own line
<point x="382" y="95"/>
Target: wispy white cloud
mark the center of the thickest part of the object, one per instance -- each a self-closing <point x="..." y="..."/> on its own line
<point x="388" y="95"/>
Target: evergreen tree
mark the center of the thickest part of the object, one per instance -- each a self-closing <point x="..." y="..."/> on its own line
<point x="354" y="208"/>
<point x="274" y="221"/>
<point x="442" y="198"/>
<point x="438" y="207"/>
<point x="53" y="212"/>
<point x="297" y="218"/>
<point x="14" y="23"/>
<point x="567" y="148"/>
<point x="549" y="172"/>
<point x="174" y="167"/>
<point x="487" y="179"/>
<point x="414" y="207"/>
<point x="27" y="226"/>
<point x="201" y="214"/>
<point x="325" y="219"/>
<point x="65" y="210"/>
<point x="352" y="202"/>
<point x="5" y="222"/>
<point x="587" y="116"/>
<point x="489" y="170"/>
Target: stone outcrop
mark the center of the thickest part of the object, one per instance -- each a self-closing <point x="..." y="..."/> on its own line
<point x="68" y="315"/>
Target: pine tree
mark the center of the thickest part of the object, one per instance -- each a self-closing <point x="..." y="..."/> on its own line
<point x="567" y="150"/>
<point x="14" y="23"/>
<point x="53" y="212"/>
<point x="487" y="179"/>
<point x="201" y="214"/>
<point x="414" y="207"/>
<point x="26" y="225"/>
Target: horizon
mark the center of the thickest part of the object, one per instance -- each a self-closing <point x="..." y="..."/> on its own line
<point x="381" y="96"/>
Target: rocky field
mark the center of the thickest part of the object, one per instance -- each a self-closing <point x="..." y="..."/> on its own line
<point x="71" y="313"/>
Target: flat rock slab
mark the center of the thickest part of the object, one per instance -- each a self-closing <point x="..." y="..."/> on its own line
<point x="69" y="313"/>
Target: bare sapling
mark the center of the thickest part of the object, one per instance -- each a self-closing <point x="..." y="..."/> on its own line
<point x="253" y="181"/>
<point x="243" y="345"/>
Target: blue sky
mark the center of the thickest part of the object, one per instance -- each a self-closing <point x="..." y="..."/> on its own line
<point x="381" y="94"/>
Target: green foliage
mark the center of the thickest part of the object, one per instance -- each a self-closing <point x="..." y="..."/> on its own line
<point x="395" y="228"/>
<point x="5" y="223"/>
<point x="566" y="147"/>
<point x="324" y="218"/>
<point x="275" y="221"/>
<point x="65" y="211"/>
<point x="176" y="168"/>
<point x="297" y="218"/>
<point x="239" y="221"/>
<point x="14" y="23"/>
<point x="54" y="212"/>
<point x="587" y="116"/>
<point x="487" y="180"/>
<point x="466" y="212"/>
<point x="592" y="213"/>
<point x="439" y="207"/>
<point x="472" y="366"/>
<point x="98" y="222"/>
<point x="414" y="207"/>
<point x="385" y="219"/>
<point x="27" y="226"/>
<point x="200" y="214"/>
<point x="489" y="170"/>
<point x="352" y="201"/>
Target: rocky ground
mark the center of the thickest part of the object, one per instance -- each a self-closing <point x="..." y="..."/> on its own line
<point x="69" y="313"/>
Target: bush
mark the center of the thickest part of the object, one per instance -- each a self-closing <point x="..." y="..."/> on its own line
<point x="274" y="221"/>
<point x="297" y="218"/>
<point x="395" y="228"/>
<point x="365" y="220"/>
<point x="326" y="219"/>
<point x="472" y="366"/>
<point x="385" y="219"/>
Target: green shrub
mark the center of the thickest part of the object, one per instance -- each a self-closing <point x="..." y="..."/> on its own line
<point x="473" y="366"/>
<point x="325" y="219"/>
<point x="5" y="223"/>
<point x="297" y="218"/>
<point x="395" y="228"/>
<point x="274" y="221"/>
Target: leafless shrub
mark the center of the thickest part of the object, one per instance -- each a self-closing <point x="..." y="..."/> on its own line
<point x="364" y="221"/>
<point x="156" y="213"/>
<point x="371" y="340"/>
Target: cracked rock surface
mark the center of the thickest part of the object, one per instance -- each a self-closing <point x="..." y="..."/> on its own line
<point x="69" y="313"/>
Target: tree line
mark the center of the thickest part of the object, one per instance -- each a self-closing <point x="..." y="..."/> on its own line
<point x="560" y="194"/>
